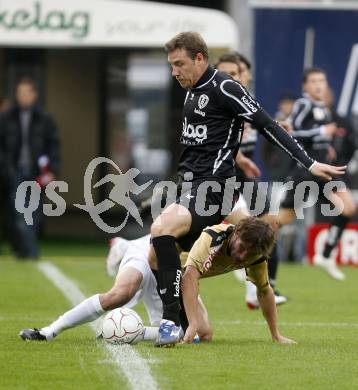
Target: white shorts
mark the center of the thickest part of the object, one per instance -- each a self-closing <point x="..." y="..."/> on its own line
<point x="240" y="204"/>
<point x="136" y="257"/>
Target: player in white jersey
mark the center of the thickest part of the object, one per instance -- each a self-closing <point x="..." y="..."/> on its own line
<point x="128" y="260"/>
<point x="133" y="254"/>
<point x="135" y="281"/>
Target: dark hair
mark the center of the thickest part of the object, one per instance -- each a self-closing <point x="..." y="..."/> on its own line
<point x="256" y="235"/>
<point x="307" y="72"/>
<point x="191" y="41"/>
<point x="231" y="57"/>
<point x="243" y="59"/>
<point x="287" y="96"/>
<point x="25" y="80"/>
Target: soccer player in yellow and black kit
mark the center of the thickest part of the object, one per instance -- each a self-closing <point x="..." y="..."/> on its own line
<point x="223" y="248"/>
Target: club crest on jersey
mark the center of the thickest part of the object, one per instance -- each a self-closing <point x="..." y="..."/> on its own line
<point x="202" y="102"/>
<point x="318" y="113"/>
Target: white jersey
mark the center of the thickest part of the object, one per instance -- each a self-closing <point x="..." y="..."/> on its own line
<point x="136" y="256"/>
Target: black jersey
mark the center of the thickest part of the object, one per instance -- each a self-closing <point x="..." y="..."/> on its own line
<point x="308" y="119"/>
<point x="248" y="141"/>
<point x="213" y="117"/>
<point x="344" y="141"/>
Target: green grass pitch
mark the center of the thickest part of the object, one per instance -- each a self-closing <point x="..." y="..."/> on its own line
<point x="322" y="316"/>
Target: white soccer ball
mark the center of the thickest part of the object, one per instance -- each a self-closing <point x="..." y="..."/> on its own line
<point x="122" y="326"/>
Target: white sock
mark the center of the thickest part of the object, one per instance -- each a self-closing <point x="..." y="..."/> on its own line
<point x="250" y="291"/>
<point x="88" y="310"/>
<point x="150" y="333"/>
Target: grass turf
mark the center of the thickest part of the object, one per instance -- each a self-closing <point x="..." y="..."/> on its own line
<point x="321" y="316"/>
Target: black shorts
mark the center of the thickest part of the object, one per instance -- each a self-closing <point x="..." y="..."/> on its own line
<point x="208" y="202"/>
<point x="298" y="176"/>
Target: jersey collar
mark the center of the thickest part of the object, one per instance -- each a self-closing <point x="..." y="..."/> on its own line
<point x="207" y="76"/>
<point x="316" y="102"/>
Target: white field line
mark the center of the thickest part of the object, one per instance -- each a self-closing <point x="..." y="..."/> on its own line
<point x="293" y="324"/>
<point x="130" y="364"/>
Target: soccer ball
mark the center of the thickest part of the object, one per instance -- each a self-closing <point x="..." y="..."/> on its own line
<point x="122" y="326"/>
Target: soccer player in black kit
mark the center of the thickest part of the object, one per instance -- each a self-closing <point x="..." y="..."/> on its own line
<point x="315" y="126"/>
<point x="214" y="112"/>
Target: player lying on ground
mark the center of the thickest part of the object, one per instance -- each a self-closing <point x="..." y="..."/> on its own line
<point x="224" y="248"/>
<point x="135" y="281"/>
<point x="128" y="261"/>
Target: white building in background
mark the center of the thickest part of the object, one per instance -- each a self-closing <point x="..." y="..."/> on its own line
<point x="102" y="72"/>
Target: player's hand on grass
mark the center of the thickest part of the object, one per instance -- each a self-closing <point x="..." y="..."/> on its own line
<point x="326" y="171"/>
<point x="284" y="340"/>
<point x="190" y="334"/>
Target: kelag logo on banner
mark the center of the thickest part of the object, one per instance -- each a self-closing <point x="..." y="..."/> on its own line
<point x="35" y="17"/>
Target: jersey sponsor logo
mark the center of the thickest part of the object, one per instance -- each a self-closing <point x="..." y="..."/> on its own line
<point x="215" y="251"/>
<point x="249" y="103"/>
<point x="177" y="283"/>
<point x="197" y="111"/>
<point x="203" y="101"/>
<point x="197" y="133"/>
<point x="207" y="264"/>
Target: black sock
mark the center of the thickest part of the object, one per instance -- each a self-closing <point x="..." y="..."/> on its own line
<point x="273" y="266"/>
<point x="334" y="234"/>
<point x="184" y="323"/>
<point x="169" y="276"/>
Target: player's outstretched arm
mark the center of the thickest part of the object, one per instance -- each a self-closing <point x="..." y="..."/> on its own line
<point x="267" y="302"/>
<point x="240" y="103"/>
<point x="190" y="291"/>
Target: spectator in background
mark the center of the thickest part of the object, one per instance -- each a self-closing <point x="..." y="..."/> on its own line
<point x="4" y="105"/>
<point x="29" y="143"/>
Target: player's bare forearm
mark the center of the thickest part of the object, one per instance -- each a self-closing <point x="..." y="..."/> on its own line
<point x="190" y="291"/>
<point x="266" y="298"/>
<point x="268" y="306"/>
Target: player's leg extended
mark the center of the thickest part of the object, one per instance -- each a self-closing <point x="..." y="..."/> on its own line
<point x="125" y="287"/>
<point x="174" y="222"/>
<point x="325" y="260"/>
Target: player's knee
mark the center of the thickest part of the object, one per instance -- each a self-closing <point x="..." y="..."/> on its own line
<point x="116" y="298"/>
<point x="163" y="228"/>
<point x="350" y="209"/>
<point x="157" y="229"/>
